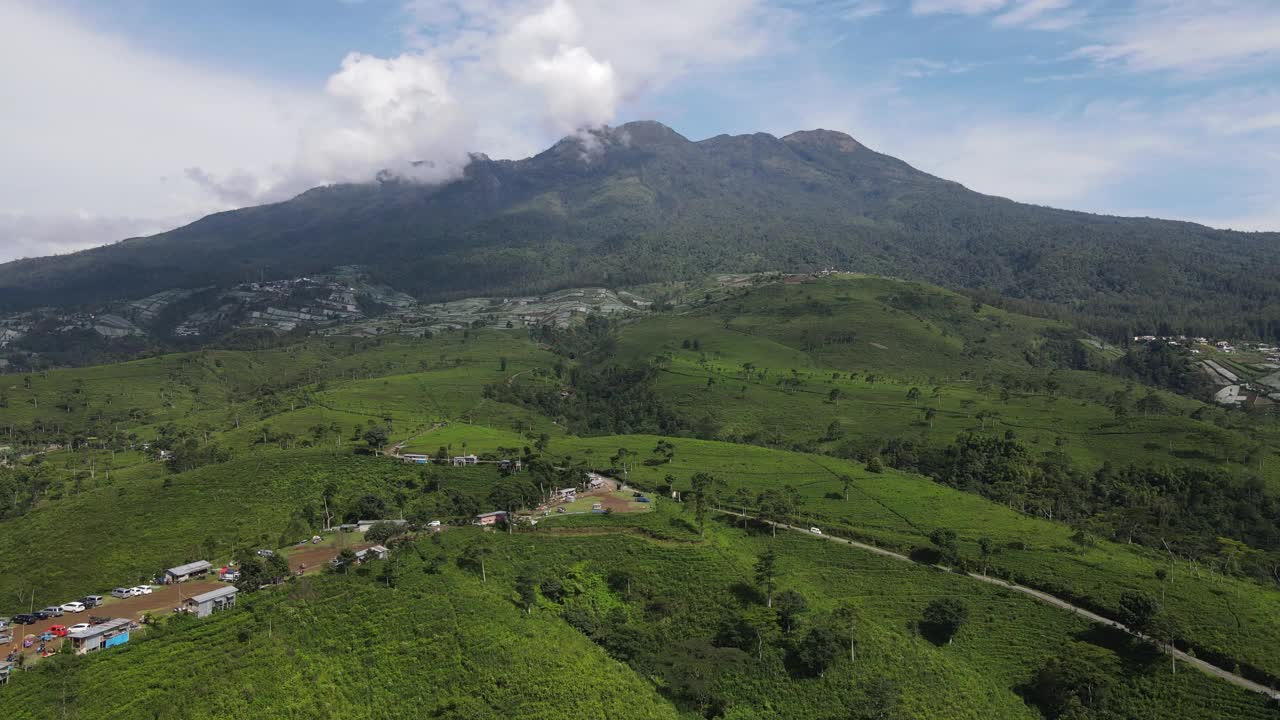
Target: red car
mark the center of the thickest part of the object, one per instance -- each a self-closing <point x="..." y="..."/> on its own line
<point x="58" y="630"/>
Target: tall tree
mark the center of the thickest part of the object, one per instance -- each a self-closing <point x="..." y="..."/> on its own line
<point x="767" y="574"/>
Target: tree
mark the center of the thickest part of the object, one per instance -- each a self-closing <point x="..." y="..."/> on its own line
<point x="774" y="506"/>
<point x="1138" y="611"/>
<point x="945" y="540"/>
<point x="526" y="591"/>
<point x="382" y="531"/>
<point x="1076" y="683"/>
<point x="834" y="396"/>
<point x="791" y="605"/>
<point x="376" y="437"/>
<point x="767" y="574"/>
<point x="1151" y="404"/>
<point x="847" y="616"/>
<point x="943" y="619"/>
<point x="502" y="364"/>
<point x="986" y="548"/>
<point x="346" y="558"/>
<point x="819" y="650"/>
<point x="834" y="431"/>
<point x="875" y="465"/>
<point x="845" y="483"/>
<point x="914" y="395"/>
<point x="929" y="415"/>
<point x="475" y="554"/>
<point x="511" y="494"/>
<point x="879" y="703"/>
<point x="704" y="490"/>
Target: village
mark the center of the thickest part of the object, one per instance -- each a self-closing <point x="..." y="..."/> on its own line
<point x="200" y="588"/>
<point x="1243" y="374"/>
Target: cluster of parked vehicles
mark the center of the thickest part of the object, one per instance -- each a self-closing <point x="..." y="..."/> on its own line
<point x="76" y="606"/>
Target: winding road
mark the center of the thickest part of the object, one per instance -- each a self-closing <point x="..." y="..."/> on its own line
<point x="1046" y="598"/>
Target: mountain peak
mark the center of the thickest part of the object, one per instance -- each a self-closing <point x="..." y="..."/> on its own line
<point x="647" y="132"/>
<point x="826" y="138"/>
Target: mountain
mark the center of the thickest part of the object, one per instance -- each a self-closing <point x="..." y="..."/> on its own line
<point x="640" y="203"/>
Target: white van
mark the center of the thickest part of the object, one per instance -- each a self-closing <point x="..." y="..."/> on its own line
<point x="122" y="593"/>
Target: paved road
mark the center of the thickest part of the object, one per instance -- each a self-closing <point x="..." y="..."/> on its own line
<point x="1043" y="597"/>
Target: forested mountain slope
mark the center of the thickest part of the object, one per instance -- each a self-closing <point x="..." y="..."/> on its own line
<point x="640" y="203"/>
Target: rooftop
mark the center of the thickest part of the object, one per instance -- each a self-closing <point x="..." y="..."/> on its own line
<point x="213" y="594"/>
<point x="100" y="629"/>
<point x="190" y="567"/>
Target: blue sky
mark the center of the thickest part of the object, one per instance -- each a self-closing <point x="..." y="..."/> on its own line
<point x="136" y="115"/>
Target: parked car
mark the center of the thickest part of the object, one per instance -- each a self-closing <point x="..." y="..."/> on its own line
<point x="141" y="590"/>
<point x="815" y="531"/>
<point x="53" y="611"/>
<point x="75" y="606"/>
<point x="58" y="630"/>
<point x="24" y="619"/>
<point x="266" y="553"/>
<point x="230" y="576"/>
<point x="78" y="627"/>
<point x="91" y="601"/>
<point x="122" y="593"/>
<point x="434" y="523"/>
<point x="41" y="615"/>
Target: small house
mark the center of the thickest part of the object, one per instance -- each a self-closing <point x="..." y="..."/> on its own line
<point x="465" y="460"/>
<point x="99" y="637"/>
<point x="565" y="494"/>
<point x="183" y="573"/>
<point x="416" y="459"/>
<point x="205" y="604"/>
<point x="364" y="525"/>
<point x="5" y="669"/>
<point x="510" y="465"/>
<point x="377" y="552"/>
<point x="491" y="518"/>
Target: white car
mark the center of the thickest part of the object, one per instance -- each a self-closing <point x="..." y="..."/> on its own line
<point x="141" y="590"/>
<point x="73" y="607"/>
<point x="78" y="627"/>
<point x="815" y="531"/>
<point x="434" y="523"/>
<point x="122" y="593"/>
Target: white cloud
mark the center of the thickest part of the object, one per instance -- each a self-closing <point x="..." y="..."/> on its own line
<point x="99" y="125"/>
<point x="1191" y="36"/>
<point x="50" y="234"/>
<point x="1037" y="162"/>
<point x="93" y="124"/>
<point x="956" y="7"/>
<point x="1038" y="14"/>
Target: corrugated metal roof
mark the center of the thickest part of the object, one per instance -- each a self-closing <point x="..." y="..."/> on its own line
<point x="213" y="594"/>
<point x="97" y="630"/>
<point x="190" y="568"/>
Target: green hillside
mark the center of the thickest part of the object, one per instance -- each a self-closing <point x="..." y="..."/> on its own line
<point x="943" y="414"/>
<point x="413" y="635"/>
<point x="654" y="206"/>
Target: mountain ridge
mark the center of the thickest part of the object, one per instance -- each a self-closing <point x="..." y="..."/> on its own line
<point x="641" y="203"/>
